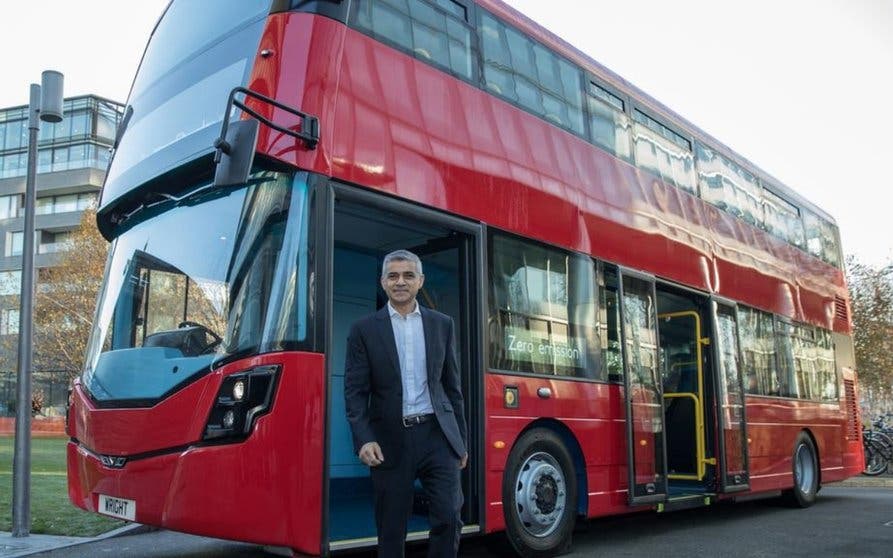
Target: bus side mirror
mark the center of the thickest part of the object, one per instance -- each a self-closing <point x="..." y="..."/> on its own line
<point x="235" y="153"/>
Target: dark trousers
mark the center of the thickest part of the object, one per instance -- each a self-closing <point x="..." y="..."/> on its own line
<point x="427" y="456"/>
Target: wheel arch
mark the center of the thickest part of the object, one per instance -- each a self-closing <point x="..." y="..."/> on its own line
<point x="576" y="451"/>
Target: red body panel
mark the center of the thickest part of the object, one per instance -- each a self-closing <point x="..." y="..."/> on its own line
<point x="405" y="128"/>
<point x="173" y="422"/>
<point x="773" y="425"/>
<point x="593" y="412"/>
<point x="262" y="490"/>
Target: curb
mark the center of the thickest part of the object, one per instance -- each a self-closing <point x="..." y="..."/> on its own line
<point x="863" y="481"/>
<point x="125" y="531"/>
<point x="35" y="544"/>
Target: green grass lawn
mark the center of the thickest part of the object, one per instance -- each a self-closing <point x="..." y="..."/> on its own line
<point x="51" y="511"/>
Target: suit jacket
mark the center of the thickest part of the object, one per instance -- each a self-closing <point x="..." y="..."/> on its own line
<point x="373" y="390"/>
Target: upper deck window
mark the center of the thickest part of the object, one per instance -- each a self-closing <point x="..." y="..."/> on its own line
<point x="198" y="53"/>
<point x="608" y="123"/>
<point x="606" y="96"/>
<point x="661" y="151"/>
<point x="525" y="72"/>
<point x="821" y="238"/>
<point x="664" y="131"/>
<point x="436" y="32"/>
<point x="191" y="27"/>
<point x="728" y="185"/>
<point x="782" y="219"/>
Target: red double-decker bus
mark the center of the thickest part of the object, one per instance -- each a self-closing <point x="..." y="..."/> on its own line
<point x="647" y="320"/>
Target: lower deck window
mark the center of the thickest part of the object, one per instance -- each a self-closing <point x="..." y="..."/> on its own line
<point x="543" y="311"/>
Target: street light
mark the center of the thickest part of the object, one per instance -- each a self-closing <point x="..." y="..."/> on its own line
<point x="45" y="103"/>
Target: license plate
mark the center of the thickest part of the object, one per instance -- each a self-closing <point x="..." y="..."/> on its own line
<point x="117" y="507"/>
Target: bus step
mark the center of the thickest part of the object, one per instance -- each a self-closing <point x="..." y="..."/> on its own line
<point x="685" y="502"/>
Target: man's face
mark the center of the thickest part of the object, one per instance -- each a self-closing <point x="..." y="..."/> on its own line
<point x="401" y="281"/>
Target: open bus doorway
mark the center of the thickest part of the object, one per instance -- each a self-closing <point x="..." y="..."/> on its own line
<point x="686" y="375"/>
<point x="362" y="235"/>
<point x="702" y="393"/>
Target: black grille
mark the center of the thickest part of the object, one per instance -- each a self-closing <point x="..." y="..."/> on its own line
<point x="841" y="315"/>
<point x="852" y="423"/>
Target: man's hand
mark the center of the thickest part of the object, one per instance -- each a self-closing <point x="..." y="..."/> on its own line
<point x="464" y="461"/>
<point x="371" y="455"/>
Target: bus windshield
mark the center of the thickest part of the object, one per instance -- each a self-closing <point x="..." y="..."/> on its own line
<point x="217" y="273"/>
<point x="197" y="54"/>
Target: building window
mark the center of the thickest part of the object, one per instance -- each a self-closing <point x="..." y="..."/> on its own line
<point x="10" y="283"/>
<point x="14" y="243"/>
<point x="13" y="164"/>
<point x="9" y="321"/>
<point x="14" y="134"/>
<point x="10" y="206"/>
<point x="107" y="122"/>
<point x="543" y="309"/>
<point x="51" y="242"/>
<point x="65" y="204"/>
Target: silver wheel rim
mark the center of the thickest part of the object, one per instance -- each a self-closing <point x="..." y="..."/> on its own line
<point x="804" y="469"/>
<point x="540" y="494"/>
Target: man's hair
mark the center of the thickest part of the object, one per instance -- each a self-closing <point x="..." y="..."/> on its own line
<point x="400" y="256"/>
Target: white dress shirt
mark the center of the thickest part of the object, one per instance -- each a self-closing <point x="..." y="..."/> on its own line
<point x="409" y="335"/>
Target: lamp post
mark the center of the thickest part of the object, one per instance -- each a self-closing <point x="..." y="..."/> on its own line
<point x="45" y="103"/>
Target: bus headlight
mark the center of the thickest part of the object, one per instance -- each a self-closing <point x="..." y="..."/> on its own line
<point x="241" y="399"/>
<point x="239" y="390"/>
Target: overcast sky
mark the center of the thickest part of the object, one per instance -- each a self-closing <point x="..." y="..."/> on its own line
<point x="803" y="88"/>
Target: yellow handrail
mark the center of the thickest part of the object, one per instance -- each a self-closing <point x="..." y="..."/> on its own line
<point x="701" y="456"/>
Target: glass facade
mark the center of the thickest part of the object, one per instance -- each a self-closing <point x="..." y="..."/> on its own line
<point x="81" y="140"/>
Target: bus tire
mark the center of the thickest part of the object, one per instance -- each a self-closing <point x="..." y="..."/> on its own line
<point x="539" y="492"/>
<point x="805" y="465"/>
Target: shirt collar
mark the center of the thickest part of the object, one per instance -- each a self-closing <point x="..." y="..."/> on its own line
<point x="393" y="311"/>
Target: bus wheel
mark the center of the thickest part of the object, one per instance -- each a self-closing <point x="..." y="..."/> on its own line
<point x="539" y="494"/>
<point x="806" y="474"/>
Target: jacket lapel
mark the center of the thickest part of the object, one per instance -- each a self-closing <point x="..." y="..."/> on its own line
<point x="428" y="326"/>
<point x="386" y="331"/>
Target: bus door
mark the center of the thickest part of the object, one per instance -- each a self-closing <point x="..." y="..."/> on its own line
<point x="644" y="403"/>
<point x="364" y="228"/>
<point x="729" y="385"/>
<point x="682" y="343"/>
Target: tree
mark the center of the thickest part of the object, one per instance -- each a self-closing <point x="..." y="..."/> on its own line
<point x="871" y="298"/>
<point x="65" y="301"/>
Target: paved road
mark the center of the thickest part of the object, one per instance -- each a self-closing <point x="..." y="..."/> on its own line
<point x="845" y="522"/>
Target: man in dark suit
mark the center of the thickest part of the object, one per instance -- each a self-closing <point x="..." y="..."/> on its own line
<point x="406" y="412"/>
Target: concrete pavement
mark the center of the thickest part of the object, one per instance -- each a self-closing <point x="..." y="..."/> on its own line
<point x="14" y="547"/>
